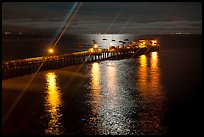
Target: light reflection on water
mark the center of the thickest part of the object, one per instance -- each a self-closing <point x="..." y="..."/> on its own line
<point x="114" y="107"/>
<point x="53" y="104"/>
<point x="142" y="74"/>
<point x="108" y="116"/>
<point x="149" y="76"/>
<point x="140" y="81"/>
<point x="96" y="89"/>
<point x="151" y="95"/>
<point x="155" y="74"/>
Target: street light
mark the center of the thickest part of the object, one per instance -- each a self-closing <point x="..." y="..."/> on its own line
<point x="50" y="50"/>
<point x="95" y="45"/>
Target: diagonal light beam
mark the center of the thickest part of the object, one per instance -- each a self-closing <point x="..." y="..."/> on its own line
<point x="69" y="17"/>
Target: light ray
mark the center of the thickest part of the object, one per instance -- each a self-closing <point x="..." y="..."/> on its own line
<point x="70" y="16"/>
<point x="113" y="21"/>
<point x="73" y="12"/>
<point x="62" y="25"/>
<point x="126" y="24"/>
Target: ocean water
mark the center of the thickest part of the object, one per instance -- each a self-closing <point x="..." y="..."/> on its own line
<point x="154" y="94"/>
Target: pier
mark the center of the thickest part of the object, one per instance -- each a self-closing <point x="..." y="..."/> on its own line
<point x="22" y="67"/>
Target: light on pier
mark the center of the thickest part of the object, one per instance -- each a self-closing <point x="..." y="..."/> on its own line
<point x="50" y="50"/>
<point x="95" y="46"/>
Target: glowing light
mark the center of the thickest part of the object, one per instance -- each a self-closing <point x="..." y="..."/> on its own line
<point x="141" y="46"/>
<point x="95" y="45"/>
<point x="143" y="60"/>
<point x="154" y="55"/>
<point x="142" y="77"/>
<point x="53" y="105"/>
<point x="7" y="32"/>
<point x="91" y="50"/>
<point x="154" y="42"/>
<point x="62" y="30"/>
<point x="50" y="50"/>
<point x="99" y="49"/>
<point x="154" y="75"/>
<point x="150" y="90"/>
<point x="95" y="86"/>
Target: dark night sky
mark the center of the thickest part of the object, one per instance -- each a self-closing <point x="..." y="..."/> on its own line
<point x="104" y="17"/>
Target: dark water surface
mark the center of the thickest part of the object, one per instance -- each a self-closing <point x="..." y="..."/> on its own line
<point x="154" y="94"/>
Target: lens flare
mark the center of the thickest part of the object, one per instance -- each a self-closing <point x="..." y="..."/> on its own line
<point x="67" y="23"/>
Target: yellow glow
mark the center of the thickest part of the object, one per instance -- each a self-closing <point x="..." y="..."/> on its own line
<point x="142" y="46"/>
<point x="150" y="90"/>
<point x="50" y="50"/>
<point x="95" y="72"/>
<point x="91" y="50"/>
<point x="154" y="55"/>
<point x="53" y="105"/>
<point x="148" y="81"/>
<point x="95" y="45"/>
<point x="99" y="49"/>
<point x="95" y="86"/>
<point x="142" y="79"/>
<point x="143" y="61"/>
<point x="154" y="42"/>
<point x="155" y="75"/>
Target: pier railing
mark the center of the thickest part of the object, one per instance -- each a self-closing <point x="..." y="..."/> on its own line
<point x="21" y="67"/>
